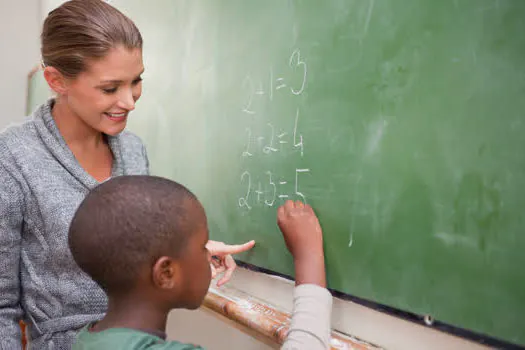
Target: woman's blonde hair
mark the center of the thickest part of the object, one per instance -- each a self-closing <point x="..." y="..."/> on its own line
<point x="82" y="30"/>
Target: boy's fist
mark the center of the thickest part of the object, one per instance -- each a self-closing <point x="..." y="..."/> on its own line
<point x="304" y="239"/>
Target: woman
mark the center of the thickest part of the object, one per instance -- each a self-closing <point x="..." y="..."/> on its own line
<point x="92" y="58"/>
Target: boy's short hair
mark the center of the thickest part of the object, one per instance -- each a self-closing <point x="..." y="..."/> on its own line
<point x="127" y="223"/>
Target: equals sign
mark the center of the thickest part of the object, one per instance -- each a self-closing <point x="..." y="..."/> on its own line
<point x="281" y="136"/>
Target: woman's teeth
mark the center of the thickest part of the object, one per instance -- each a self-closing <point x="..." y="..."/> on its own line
<point x="119" y="115"/>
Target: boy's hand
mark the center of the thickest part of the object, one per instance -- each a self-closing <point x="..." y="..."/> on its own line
<point x="304" y="239"/>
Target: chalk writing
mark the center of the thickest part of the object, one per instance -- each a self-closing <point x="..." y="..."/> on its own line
<point x="243" y="201"/>
<point x="273" y="187"/>
<point x="295" y="61"/>
<point x="248" y="82"/>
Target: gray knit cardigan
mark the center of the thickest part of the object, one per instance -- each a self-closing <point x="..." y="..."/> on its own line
<point x="41" y="186"/>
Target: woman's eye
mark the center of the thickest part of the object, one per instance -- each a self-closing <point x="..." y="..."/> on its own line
<point x="136" y="81"/>
<point x="110" y="91"/>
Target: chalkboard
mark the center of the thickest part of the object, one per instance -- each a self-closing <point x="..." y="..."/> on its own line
<point x="401" y="123"/>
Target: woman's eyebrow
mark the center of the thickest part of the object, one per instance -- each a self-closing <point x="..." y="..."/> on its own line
<point x="117" y="81"/>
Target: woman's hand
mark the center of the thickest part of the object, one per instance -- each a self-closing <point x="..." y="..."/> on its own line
<point x="222" y="260"/>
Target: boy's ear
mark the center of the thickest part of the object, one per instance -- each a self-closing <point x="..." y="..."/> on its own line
<point x="56" y="80"/>
<point x="165" y="273"/>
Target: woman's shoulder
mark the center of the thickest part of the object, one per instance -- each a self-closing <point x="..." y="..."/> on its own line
<point x="18" y="133"/>
<point x="12" y="139"/>
<point x="22" y="143"/>
<point x="24" y="131"/>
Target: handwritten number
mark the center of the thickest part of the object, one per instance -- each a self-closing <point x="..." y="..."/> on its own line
<point x="300" y="194"/>
<point x="247" y="153"/>
<point x="295" y="61"/>
<point x="248" y="105"/>
<point x="267" y="202"/>
<point x="269" y="148"/>
<point x="243" y="201"/>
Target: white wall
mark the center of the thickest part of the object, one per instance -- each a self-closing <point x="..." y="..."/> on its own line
<point x="19" y="52"/>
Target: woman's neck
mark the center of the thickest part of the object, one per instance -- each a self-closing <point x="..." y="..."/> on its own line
<point x="74" y="130"/>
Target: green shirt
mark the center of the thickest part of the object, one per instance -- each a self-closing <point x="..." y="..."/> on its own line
<point x="125" y="339"/>
<point x="309" y="329"/>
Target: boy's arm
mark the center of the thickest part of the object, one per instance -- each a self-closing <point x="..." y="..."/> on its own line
<point x="310" y="327"/>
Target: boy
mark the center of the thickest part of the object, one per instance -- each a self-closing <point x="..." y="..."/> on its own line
<point x="143" y="240"/>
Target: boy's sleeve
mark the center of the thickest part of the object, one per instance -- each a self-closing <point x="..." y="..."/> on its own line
<point x="10" y="239"/>
<point x="310" y="328"/>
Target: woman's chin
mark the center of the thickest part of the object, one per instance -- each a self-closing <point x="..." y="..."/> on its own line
<point x="114" y="130"/>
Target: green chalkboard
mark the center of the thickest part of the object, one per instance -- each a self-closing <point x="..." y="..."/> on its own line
<point x="401" y="122"/>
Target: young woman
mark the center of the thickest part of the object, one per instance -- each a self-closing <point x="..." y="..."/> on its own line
<point x="92" y="59"/>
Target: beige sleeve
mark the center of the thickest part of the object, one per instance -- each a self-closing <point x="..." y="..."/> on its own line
<point x="310" y="328"/>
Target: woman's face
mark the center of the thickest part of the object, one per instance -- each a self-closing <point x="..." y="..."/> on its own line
<point x="104" y="94"/>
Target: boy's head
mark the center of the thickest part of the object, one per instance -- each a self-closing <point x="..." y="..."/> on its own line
<point x="143" y="235"/>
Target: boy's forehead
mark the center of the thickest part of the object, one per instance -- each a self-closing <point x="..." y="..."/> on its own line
<point x="195" y="213"/>
<point x="196" y="207"/>
<point x="203" y="221"/>
<point x="199" y="235"/>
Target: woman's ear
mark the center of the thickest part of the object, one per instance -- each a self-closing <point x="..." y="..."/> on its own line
<point x="56" y="80"/>
<point x="165" y="273"/>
